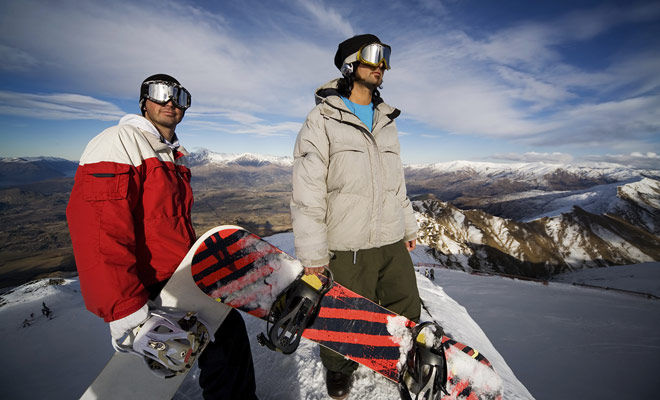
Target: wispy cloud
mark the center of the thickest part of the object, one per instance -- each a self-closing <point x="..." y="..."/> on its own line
<point x="633" y="119"/>
<point x="16" y="60"/>
<point x="327" y="17"/>
<point x="534" y="44"/>
<point x="647" y="160"/>
<point x="57" y="106"/>
<point x="110" y="48"/>
<point x="251" y="65"/>
<point x="516" y="84"/>
<point x="231" y="115"/>
<point x="281" y="129"/>
<point x="530" y="157"/>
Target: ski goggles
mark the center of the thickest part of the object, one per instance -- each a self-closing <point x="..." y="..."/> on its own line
<point x="372" y="54"/>
<point x="161" y="92"/>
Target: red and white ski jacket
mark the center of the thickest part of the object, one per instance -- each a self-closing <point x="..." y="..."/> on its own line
<point x="129" y="216"/>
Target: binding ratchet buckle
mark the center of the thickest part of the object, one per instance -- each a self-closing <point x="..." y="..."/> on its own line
<point x="294" y="310"/>
<point x="425" y="370"/>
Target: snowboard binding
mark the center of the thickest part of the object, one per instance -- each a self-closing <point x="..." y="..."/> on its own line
<point x="425" y="371"/>
<point x="293" y="311"/>
<point x="169" y="343"/>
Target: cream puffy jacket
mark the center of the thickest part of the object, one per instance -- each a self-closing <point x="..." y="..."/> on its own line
<point x="349" y="191"/>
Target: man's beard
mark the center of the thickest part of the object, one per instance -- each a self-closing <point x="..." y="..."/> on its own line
<point x="367" y="84"/>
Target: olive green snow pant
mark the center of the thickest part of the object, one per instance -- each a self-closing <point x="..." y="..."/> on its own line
<point x="385" y="275"/>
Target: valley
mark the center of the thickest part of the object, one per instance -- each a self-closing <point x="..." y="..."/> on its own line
<point x="533" y="220"/>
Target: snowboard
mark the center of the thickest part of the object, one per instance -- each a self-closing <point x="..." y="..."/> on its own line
<point x="237" y="268"/>
<point x="126" y="376"/>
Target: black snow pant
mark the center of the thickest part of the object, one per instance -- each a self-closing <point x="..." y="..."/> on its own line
<point x="226" y="366"/>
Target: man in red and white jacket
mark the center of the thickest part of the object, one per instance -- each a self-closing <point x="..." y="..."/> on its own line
<point x="129" y="216"/>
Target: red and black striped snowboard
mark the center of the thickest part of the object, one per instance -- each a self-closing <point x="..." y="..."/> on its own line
<point x="243" y="271"/>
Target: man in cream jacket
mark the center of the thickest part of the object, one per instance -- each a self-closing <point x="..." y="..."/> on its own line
<point x="349" y="208"/>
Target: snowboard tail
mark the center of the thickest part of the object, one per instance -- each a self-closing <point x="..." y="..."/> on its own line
<point x="126" y="376"/>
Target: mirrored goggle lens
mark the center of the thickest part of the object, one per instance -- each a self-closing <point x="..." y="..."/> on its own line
<point x="374" y="54"/>
<point x="162" y="93"/>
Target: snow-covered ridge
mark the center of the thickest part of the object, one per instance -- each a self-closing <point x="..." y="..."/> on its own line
<point x="203" y="156"/>
<point x="600" y="199"/>
<point x="526" y="171"/>
<point x="31" y="159"/>
<point x="646" y="192"/>
<point x="604" y="225"/>
<point x="23" y="170"/>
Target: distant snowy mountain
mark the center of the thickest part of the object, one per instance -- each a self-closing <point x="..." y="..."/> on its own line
<point x="26" y="160"/>
<point x="618" y="225"/>
<point x="521" y="191"/>
<point x="637" y="202"/>
<point x="539" y="173"/>
<point x="201" y="157"/>
<point x="22" y="170"/>
<point x="575" y="215"/>
<point x="253" y="172"/>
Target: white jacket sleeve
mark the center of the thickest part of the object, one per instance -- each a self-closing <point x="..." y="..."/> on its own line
<point x="309" y="197"/>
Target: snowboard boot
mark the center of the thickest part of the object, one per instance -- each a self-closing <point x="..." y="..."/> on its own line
<point x="338" y="384"/>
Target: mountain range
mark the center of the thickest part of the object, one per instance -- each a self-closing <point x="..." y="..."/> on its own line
<point x="532" y="219"/>
<point x="537" y="220"/>
<point x="16" y="171"/>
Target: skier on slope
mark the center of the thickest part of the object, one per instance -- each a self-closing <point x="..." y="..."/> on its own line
<point x="130" y="224"/>
<point x="349" y="205"/>
<point x="45" y="310"/>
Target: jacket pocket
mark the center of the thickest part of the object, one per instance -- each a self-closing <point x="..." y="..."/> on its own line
<point x="391" y="163"/>
<point x="105" y="181"/>
<point x="351" y="146"/>
<point x="349" y="171"/>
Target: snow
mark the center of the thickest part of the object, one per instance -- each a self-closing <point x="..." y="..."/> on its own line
<point x="26" y="160"/>
<point x="537" y="170"/>
<point x="643" y="192"/>
<point x="640" y="277"/>
<point x="570" y="240"/>
<point x="568" y="342"/>
<point x="545" y="341"/>
<point x="206" y="156"/>
<point x="621" y="244"/>
<point x="396" y="326"/>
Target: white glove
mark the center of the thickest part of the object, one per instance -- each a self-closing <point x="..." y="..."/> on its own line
<point x="120" y="327"/>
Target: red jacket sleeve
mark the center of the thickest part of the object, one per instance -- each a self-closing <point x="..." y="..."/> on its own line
<point x="100" y="215"/>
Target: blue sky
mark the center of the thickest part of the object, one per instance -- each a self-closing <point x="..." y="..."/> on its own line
<point x="481" y="80"/>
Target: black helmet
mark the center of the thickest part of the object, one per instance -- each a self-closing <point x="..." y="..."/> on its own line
<point x="352" y="45"/>
<point x="144" y="87"/>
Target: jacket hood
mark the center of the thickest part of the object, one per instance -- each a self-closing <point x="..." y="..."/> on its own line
<point x="328" y="93"/>
<point x="326" y="90"/>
